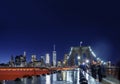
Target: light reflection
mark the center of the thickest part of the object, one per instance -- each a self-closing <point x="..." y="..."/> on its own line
<point x="69" y="76"/>
<point x="48" y="79"/>
<point x="4" y="82"/>
<point x="24" y="80"/>
<point x="64" y="75"/>
<point x="87" y="76"/>
<point x="33" y="80"/>
<point x="78" y="76"/>
<point x="54" y="77"/>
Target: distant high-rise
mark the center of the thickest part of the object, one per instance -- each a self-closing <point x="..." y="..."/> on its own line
<point x="33" y="58"/>
<point x="42" y="57"/>
<point x="20" y="61"/>
<point x="54" y="56"/>
<point x="24" y="53"/>
<point x="42" y="61"/>
<point x="11" y="63"/>
<point x="47" y="58"/>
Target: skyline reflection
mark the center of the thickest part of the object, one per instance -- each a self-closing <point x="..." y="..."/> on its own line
<point x="63" y="77"/>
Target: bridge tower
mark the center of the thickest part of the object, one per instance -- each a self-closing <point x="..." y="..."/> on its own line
<point x="79" y="52"/>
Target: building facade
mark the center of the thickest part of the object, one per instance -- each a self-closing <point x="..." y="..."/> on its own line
<point x="20" y="61"/>
<point x="47" y="60"/>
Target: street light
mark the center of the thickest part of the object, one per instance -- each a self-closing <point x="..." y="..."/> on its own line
<point x="87" y="61"/>
<point x="78" y="57"/>
<point x="78" y="60"/>
<point x="83" y="63"/>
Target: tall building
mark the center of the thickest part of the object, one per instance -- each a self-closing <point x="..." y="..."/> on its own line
<point x="54" y="56"/>
<point x="20" y="61"/>
<point x="42" y="61"/>
<point x="47" y="58"/>
<point x="24" y="54"/>
<point x="33" y="58"/>
<point x="11" y="63"/>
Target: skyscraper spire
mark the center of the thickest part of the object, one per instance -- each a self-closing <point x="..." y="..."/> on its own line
<point x="54" y="47"/>
<point x="24" y="54"/>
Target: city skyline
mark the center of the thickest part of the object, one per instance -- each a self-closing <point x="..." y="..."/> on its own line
<point x="35" y="26"/>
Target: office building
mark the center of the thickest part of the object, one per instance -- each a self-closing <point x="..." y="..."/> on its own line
<point x="47" y="60"/>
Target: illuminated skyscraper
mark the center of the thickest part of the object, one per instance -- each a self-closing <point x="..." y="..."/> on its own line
<point x="54" y="56"/>
<point x="24" y="53"/>
<point x="47" y="59"/>
<point x="33" y="58"/>
<point x="42" y="61"/>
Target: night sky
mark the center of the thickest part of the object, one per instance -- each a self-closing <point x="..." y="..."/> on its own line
<point x="35" y="26"/>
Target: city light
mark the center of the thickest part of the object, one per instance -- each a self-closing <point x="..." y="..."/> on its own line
<point x="83" y="63"/>
<point x="104" y="63"/>
<point x="78" y="57"/>
<point x="87" y="61"/>
<point x="98" y="58"/>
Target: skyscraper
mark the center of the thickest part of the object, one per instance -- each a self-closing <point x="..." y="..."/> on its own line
<point x="42" y="61"/>
<point x="47" y="59"/>
<point x="33" y="58"/>
<point x="24" y="54"/>
<point x="54" y="56"/>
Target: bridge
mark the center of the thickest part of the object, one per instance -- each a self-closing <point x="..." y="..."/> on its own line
<point x="82" y="53"/>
